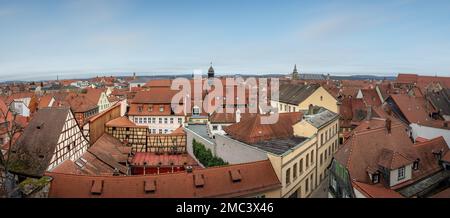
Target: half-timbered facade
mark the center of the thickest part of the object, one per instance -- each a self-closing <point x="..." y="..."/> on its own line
<point x="143" y="140"/>
<point x="52" y="137"/>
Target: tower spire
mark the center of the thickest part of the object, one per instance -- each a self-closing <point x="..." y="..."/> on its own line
<point x="295" y="72"/>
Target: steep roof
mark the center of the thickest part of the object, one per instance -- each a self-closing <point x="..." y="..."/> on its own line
<point x="440" y="100"/>
<point x="415" y="109"/>
<point x="366" y="148"/>
<point x="45" y="101"/>
<point x="33" y="151"/>
<point x="295" y="94"/>
<point x="249" y="178"/>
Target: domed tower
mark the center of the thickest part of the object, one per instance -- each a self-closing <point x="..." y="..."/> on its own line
<point x="211" y="72"/>
<point x="295" y="73"/>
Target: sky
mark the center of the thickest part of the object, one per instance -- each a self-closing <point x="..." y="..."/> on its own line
<point x="45" y="38"/>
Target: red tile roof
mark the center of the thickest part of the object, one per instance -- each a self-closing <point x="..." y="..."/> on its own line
<point x="252" y="131"/>
<point x="256" y="177"/>
<point x="375" y="191"/>
<point x="158" y="83"/>
<point x="153" y="159"/>
<point x="415" y="109"/>
<point x="45" y="101"/>
<point x="154" y="96"/>
<point x="120" y="122"/>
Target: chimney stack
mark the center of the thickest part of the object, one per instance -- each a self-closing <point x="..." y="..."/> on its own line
<point x="311" y="109"/>
<point x="369" y="113"/>
<point x="238" y="116"/>
<point x="388" y="125"/>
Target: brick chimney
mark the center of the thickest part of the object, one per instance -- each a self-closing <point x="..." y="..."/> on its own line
<point x="388" y="125"/>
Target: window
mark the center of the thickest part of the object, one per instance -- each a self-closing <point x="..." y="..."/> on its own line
<point x="196" y="110"/>
<point x="326" y="135"/>
<point x="288" y="176"/>
<point x="312" y="156"/>
<point x="150" y="108"/>
<point x="145" y="119"/>
<point x="307" y="161"/>
<point x="140" y="108"/>
<point x="321" y="159"/>
<point x="321" y="139"/>
<point x="312" y="181"/>
<point x="295" y="171"/>
<point x="165" y="120"/>
<point x="136" y="119"/>
<point x="140" y="119"/>
<point x="165" y="131"/>
<point x="333" y="183"/>
<point x="161" y="108"/>
<point x="214" y="127"/>
<point x="180" y="120"/>
<point x="376" y="178"/>
<point x="160" y="120"/>
<point x="326" y="155"/>
<point x="160" y="131"/>
<point x="289" y="108"/>
<point x="416" y="165"/>
<point x="329" y="151"/>
<point x="401" y="173"/>
<point x="153" y="120"/>
<point x="321" y="98"/>
<point x="301" y="166"/>
<point x="171" y="120"/>
<point x="306" y="185"/>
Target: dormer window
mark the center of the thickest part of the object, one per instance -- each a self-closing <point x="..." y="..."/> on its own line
<point x="401" y="173"/>
<point x="196" y="110"/>
<point x="140" y="108"/>
<point x="416" y="164"/>
<point x="437" y="154"/>
<point x="161" y="108"/>
<point x="150" y="108"/>
<point x="376" y="178"/>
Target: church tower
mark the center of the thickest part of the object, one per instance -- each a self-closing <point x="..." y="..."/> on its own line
<point x="211" y="72"/>
<point x="295" y="73"/>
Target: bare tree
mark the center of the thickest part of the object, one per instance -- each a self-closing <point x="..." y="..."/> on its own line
<point x="13" y="129"/>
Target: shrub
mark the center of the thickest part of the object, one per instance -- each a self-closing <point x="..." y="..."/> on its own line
<point x="205" y="155"/>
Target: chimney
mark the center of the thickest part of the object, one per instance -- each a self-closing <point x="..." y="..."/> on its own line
<point x="310" y="109"/>
<point x="238" y="116"/>
<point x="189" y="169"/>
<point x="369" y="113"/>
<point x="388" y="125"/>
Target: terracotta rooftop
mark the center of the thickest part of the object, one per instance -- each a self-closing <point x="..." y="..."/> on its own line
<point x="120" y="122"/>
<point x="44" y="101"/>
<point x="375" y="191"/>
<point x="255" y="177"/>
<point x="252" y="131"/>
<point x="415" y="109"/>
<point x="153" y="159"/>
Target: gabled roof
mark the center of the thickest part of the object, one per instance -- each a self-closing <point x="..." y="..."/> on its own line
<point x="255" y="177"/>
<point x="375" y="191"/>
<point x="120" y="122"/>
<point x="295" y="94"/>
<point x="33" y="151"/>
<point x="45" y="101"/>
<point x="366" y="148"/>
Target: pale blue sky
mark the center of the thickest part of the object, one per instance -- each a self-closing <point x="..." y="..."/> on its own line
<point x="42" y="38"/>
